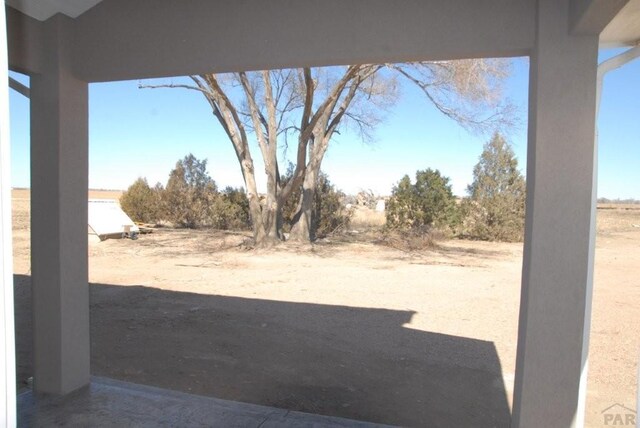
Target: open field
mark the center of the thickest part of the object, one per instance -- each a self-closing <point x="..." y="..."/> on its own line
<point x="346" y="327"/>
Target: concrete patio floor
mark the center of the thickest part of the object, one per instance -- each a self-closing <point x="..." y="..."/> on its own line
<point x="111" y="403"/>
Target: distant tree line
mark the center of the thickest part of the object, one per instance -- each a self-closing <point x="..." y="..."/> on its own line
<point x="417" y="212"/>
<point x="191" y="199"/>
<point x="618" y="201"/>
<point x="494" y="209"/>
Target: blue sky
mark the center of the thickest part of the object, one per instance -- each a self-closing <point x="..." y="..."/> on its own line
<point x="143" y="132"/>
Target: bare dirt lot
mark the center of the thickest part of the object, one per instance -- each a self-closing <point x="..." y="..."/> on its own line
<point x="346" y="327"/>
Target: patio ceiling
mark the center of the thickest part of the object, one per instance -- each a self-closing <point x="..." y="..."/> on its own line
<point x="624" y="29"/>
<point x="45" y="9"/>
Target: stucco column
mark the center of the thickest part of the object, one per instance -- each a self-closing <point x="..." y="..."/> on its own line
<point x="7" y="340"/>
<point x="557" y="274"/>
<point x="59" y="181"/>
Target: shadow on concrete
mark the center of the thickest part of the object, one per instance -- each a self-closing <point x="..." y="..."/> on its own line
<point x="357" y="363"/>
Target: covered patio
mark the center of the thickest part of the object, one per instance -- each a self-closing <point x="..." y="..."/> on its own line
<point x="63" y="46"/>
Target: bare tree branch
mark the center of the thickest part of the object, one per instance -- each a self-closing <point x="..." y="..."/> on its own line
<point x="256" y="118"/>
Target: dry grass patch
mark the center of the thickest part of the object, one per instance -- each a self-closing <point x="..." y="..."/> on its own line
<point x="617" y="219"/>
<point x="366" y="218"/>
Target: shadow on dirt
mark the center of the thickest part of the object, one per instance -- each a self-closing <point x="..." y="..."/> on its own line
<point x="358" y="363"/>
<point x="453" y="251"/>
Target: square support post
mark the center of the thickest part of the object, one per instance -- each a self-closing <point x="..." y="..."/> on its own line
<point x="557" y="274"/>
<point x="7" y="329"/>
<point x="59" y="252"/>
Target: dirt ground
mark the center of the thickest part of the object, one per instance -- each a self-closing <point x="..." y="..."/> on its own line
<point x="346" y="328"/>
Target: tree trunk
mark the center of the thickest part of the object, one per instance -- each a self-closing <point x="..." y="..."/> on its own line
<point x="271" y="211"/>
<point x="302" y="229"/>
<point x="268" y="142"/>
<point x="255" y="210"/>
<point x="267" y="227"/>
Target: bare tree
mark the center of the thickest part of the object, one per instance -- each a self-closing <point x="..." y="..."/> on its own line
<point x="311" y="105"/>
